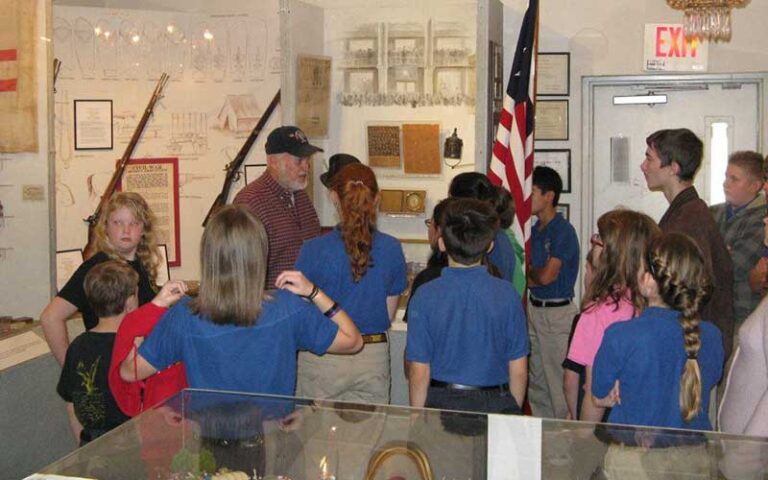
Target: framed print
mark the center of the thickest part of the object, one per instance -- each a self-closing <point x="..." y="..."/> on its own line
<point x="557" y="159"/>
<point x="252" y="172"/>
<point x="383" y="145"/>
<point x="93" y="125"/>
<point x="67" y="261"/>
<point x="564" y="209"/>
<point x="163" y="270"/>
<point x="553" y="74"/>
<point x="551" y="120"/>
<point x="313" y="95"/>
<point x="157" y="180"/>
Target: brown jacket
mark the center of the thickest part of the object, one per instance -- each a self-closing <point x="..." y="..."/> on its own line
<point x="690" y="215"/>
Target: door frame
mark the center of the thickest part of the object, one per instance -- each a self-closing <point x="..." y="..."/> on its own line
<point x="590" y="83"/>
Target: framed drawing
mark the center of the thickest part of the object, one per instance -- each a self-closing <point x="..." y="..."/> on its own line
<point x="157" y="180"/>
<point x="553" y="74"/>
<point x="252" y="172"/>
<point x="551" y="120"/>
<point x="67" y="261"/>
<point x="313" y="94"/>
<point x="383" y="145"/>
<point x="163" y="270"/>
<point x="564" y="209"/>
<point x="557" y="159"/>
<point x="93" y="125"/>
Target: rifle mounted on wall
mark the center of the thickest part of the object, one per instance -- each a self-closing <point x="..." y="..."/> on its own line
<point x="90" y="248"/>
<point x="233" y="167"/>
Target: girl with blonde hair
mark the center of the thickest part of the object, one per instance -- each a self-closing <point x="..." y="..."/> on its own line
<point x="366" y="270"/>
<point x="658" y="369"/>
<point x="611" y="295"/>
<point x="234" y="336"/>
<point x="125" y="231"/>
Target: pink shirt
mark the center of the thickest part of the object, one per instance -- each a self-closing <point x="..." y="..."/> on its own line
<point x="592" y="324"/>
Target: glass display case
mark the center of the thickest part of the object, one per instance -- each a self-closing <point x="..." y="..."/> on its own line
<point x="206" y="434"/>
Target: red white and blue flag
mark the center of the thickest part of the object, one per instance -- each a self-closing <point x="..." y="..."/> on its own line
<point x="512" y="160"/>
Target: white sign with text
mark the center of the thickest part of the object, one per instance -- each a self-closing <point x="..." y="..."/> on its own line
<point x="667" y="50"/>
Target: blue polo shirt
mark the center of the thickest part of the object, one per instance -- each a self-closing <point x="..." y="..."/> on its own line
<point x="647" y="356"/>
<point x="325" y="262"/>
<point x="557" y="239"/>
<point x="503" y="256"/>
<point x="467" y="325"/>
<point x="257" y="359"/>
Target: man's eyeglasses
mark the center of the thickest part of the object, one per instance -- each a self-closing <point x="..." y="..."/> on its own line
<point x="428" y="222"/>
<point x="596" y="241"/>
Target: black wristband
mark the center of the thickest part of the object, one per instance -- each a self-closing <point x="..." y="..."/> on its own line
<point x="312" y="294"/>
<point x="331" y="312"/>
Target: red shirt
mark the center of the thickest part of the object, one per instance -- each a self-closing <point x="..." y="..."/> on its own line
<point x="289" y="218"/>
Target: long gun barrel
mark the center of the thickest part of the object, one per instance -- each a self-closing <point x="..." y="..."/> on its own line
<point x="90" y="248"/>
<point x="233" y="167"/>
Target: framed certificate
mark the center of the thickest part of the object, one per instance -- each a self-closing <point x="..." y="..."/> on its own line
<point x="557" y="159"/>
<point x="93" y="125"/>
<point x="551" y="120"/>
<point x="553" y="72"/>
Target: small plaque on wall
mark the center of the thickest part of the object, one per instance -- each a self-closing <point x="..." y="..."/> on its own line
<point x="403" y="201"/>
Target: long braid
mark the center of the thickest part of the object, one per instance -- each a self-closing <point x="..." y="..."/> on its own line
<point x="684" y="284"/>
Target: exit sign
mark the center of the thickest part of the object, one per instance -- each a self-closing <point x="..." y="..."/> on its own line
<point x="667" y="50"/>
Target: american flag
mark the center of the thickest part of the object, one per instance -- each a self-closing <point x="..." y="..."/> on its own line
<point x="512" y="160"/>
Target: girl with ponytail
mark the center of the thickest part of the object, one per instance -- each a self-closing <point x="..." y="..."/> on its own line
<point x="365" y="271"/>
<point x="658" y="369"/>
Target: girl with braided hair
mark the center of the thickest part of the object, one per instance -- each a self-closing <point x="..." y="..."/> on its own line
<point x="364" y="270"/>
<point x="658" y="369"/>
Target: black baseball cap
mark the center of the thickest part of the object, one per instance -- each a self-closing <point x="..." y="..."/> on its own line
<point x="291" y="140"/>
<point x="335" y="164"/>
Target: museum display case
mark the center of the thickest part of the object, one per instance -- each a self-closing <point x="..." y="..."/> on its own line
<point x="208" y="434"/>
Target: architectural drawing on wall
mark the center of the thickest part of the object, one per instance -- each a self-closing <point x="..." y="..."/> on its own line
<point x="106" y="49"/>
<point x="174" y="51"/>
<point x="85" y="48"/>
<point x="62" y="120"/>
<point x="256" y="49"/>
<point x="201" y="51"/>
<point x="96" y="184"/>
<point x="151" y="44"/>
<point x="189" y="133"/>
<point x="191" y="178"/>
<point x="130" y="50"/>
<point x="64" y="43"/>
<point x="416" y="64"/>
<point x="125" y="123"/>
<point x="64" y="195"/>
<point x="219" y="46"/>
<point x="239" y="113"/>
<point x="237" y="42"/>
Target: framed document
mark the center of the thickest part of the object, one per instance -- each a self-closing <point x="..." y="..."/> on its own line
<point x="564" y="209"/>
<point x="252" y="172"/>
<point x="157" y="180"/>
<point x="67" y="261"/>
<point x="551" y="120"/>
<point x="557" y="159"/>
<point x="383" y="145"/>
<point x="163" y="270"/>
<point x="553" y="74"/>
<point x="313" y="95"/>
<point x="93" y="125"/>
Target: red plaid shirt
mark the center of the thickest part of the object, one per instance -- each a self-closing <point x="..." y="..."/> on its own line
<point x="288" y="217"/>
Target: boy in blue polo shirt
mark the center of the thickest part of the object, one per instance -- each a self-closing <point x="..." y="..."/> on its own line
<point x="551" y="277"/>
<point x="467" y="338"/>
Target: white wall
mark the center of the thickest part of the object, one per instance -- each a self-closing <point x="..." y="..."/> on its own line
<point x="606" y="38"/>
<point x="25" y="238"/>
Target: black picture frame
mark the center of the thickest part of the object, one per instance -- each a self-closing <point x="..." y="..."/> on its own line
<point x="557" y="158"/>
<point x="559" y="132"/>
<point x="253" y="171"/>
<point x="107" y="106"/>
<point x="554" y="63"/>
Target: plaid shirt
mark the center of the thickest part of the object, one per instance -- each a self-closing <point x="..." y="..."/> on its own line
<point x="743" y="235"/>
<point x="288" y="217"/>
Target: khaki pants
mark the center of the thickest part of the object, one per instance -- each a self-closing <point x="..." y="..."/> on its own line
<point x="548" y="330"/>
<point x="361" y="378"/>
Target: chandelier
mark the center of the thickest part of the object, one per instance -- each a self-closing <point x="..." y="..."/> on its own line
<point x="707" y="19"/>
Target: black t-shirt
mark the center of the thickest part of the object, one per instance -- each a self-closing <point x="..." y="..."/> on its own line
<point x="74" y="290"/>
<point x="84" y="382"/>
